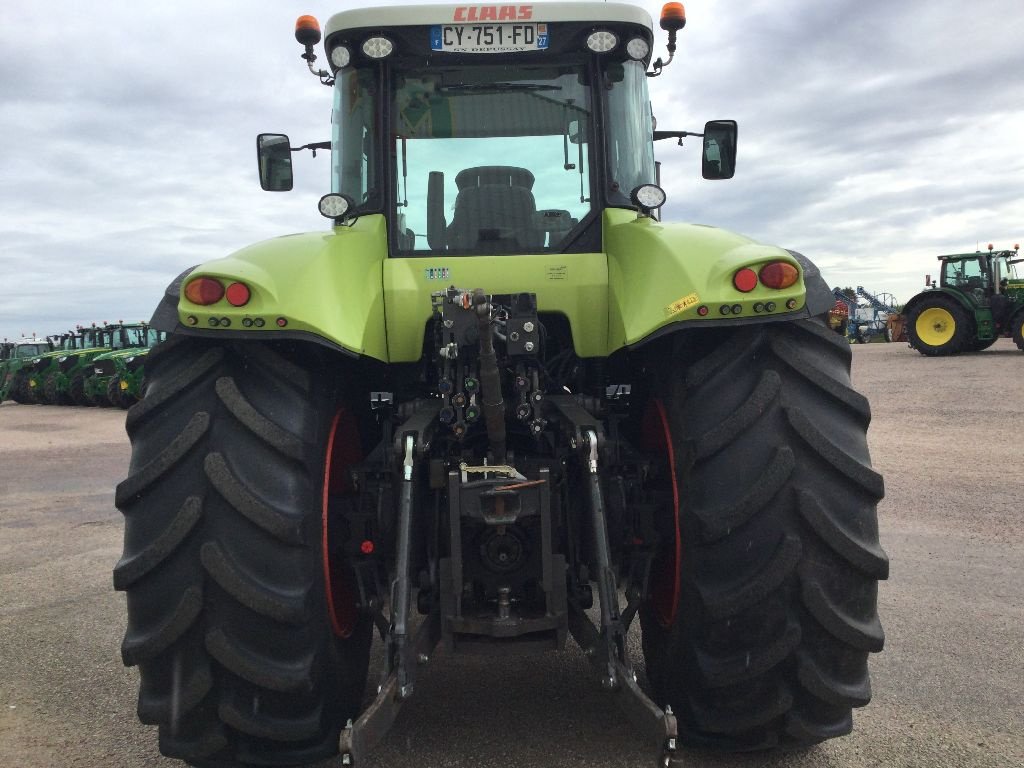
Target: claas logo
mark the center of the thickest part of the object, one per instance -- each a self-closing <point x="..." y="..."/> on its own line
<point x="493" y="12"/>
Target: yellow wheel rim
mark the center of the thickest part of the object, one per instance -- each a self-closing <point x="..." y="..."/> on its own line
<point x="935" y="326"/>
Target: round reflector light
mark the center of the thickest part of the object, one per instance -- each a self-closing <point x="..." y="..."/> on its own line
<point x="778" y="274"/>
<point x="204" y="291"/>
<point x="637" y="48"/>
<point x="340" y="56"/>
<point x="602" y="41"/>
<point x="237" y="294"/>
<point x="745" y="280"/>
<point x="378" y="47"/>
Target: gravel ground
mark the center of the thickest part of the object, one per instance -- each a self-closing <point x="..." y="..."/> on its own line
<point x="947" y="689"/>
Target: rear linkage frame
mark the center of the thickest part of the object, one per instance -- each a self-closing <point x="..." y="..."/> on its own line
<point x="495" y="496"/>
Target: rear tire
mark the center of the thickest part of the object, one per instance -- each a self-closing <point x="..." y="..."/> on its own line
<point x="227" y="617"/>
<point x="114" y="392"/>
<point x="52" y="395"/>
<point x="978" y="345"/>
<point x="779" y="558"/>
<point x="19" y="390"/>
<point x="76" y="391"/>
<point x="1017" y="331"/>
<point x="939" y="326"/>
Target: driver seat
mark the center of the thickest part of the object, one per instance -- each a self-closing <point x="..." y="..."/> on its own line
<point x="495" y="211"/>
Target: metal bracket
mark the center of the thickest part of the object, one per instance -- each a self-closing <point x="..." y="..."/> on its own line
<point x="359" y="738"/>
<point x="660" y="725"/>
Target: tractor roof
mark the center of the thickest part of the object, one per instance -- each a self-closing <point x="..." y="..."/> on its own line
<point x="975" y="254"/>
<point x="425" y="15"/>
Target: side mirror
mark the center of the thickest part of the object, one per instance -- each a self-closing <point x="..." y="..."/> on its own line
<point x="719" y="161"/>
<point x="274" y="155"/>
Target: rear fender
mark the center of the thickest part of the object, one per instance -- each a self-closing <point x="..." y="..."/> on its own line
<point x="661" y="275"/>
<point x="324" y="287"/>
<point x="956" y="296"/>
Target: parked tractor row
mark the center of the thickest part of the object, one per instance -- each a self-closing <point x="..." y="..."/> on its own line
<point x="95" y="365"/>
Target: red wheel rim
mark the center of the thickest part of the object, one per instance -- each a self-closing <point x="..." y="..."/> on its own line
<point x="343" y="450"/>
<point x="664" y="585"/>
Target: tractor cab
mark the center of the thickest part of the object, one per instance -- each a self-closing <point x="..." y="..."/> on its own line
<point x="969" y="273"/>
<point x="120" y="336"/>
<point x="979" y="275"/>
<point x="508" y="133"/>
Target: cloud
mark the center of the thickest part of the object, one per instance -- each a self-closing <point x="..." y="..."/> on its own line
<point x="873" y="136"/>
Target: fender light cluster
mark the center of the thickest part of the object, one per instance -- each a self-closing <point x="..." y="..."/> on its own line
<point x="776" y="275"/>
<point x="205" y="291"/>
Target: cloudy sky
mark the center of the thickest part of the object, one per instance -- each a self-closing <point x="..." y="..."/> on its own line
<point x="873" y="136"/>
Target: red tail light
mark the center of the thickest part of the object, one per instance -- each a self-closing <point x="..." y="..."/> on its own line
<point x="237" y="294"/>
<point x="745" y="280"/>
<point x="204" y="291"/>
<point x="779" y="274"/>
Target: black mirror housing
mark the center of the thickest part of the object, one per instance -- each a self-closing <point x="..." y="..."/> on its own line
<point x="274" y="156"/>
<point x="719" y="159"/>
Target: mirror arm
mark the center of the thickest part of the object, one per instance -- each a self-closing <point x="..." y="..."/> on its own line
<point x="659" y="135"/>
<point x="312" y="147"/>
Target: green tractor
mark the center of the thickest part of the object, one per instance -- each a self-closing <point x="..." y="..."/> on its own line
<point x="15" y="355"/>
<point x="118" y="375"/>
<point x="979" y="298"/>
<point x="26" y="384"/>
<point x="60" y="379"/>
<point x="498" y="392"/>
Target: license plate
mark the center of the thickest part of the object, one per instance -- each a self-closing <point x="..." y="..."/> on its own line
<point x="489" y="38"/>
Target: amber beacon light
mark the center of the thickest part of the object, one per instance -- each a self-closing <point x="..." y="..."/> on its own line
<point x="673" y="17"/>
<point x="307" y="30"/>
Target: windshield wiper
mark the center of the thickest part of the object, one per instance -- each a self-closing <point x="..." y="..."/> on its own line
<point x="501" y="87"/>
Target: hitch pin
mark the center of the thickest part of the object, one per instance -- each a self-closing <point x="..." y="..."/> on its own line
<point x="592" y="440"/>
<point x="407" y="463"/>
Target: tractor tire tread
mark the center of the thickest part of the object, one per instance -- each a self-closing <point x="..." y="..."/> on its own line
<point x="752" y="589"/>
<point x="778" y="598"/>
<point x="227" y="615"/>
<point x="136" y="484"/>
<point x="284" y="441"/>
<point x="130" y="569"/>
<point x="277" y="522"/>
<point x="288" y="607"/>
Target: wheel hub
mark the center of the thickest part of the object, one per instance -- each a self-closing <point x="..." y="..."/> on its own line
<point x="935" y="326"/>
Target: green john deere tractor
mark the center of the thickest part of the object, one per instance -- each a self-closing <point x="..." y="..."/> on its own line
<point x="59" y="379"/>
<point x="118" y="375"/>
<point x="26" y="385"/>
<point x="498" y="391"/>
<point x="16" y="354"/>
<point x="979" y="298"/>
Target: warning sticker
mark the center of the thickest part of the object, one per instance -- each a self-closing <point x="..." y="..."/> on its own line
<point x="684" y="303"/>
<point x="557" y="272"/>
